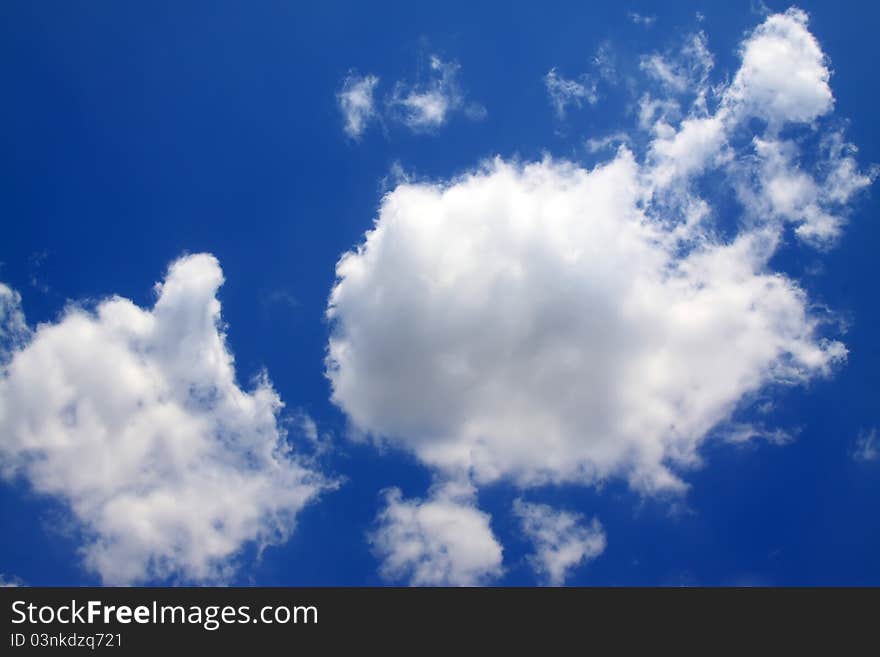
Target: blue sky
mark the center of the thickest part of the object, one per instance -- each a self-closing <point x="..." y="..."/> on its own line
<point x="135" y="134"/>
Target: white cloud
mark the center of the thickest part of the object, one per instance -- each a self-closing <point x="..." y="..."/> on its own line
<point x="309" y="428"/>
<point x="771" y="182"/>
<point x="746" y="432"/>
<point x="678" y="154"/>
<point x="442" y="541"/>
<point x="656" y="113"/>
<point x="660" y="69"/>
<point x="685" y="71"/>
<point x="562" y="540"/>
<point x="595" y="145"/>
<point x="424" y="107"/>
<point x="604" y="62"/>
<point x="543" y="322"/>
<point x="783" y="77"/>
<point x="642" y="19"/>
<point x="319" y="442"/>
<point x="531" y="322"/>
<point x="563" y="92"/>
<point x="134" y="419"/>
<point x="13" y="328"/>
<point x="7" y="582"/>
<point x="356" y="103"/>
<point x="867" y="447"/>
<point x="775" y="185"/>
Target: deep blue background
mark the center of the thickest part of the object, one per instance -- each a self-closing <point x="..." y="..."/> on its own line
<point x="131" y="133"/>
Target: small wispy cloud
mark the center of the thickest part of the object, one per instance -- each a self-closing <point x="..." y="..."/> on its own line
<point x="687" y="69"/>
<point x="642" y="19"/>
<point x="746" y="433"/>
<point x="428" y="105"/>
<point x="36" y="263"/>
<point x="604" y="62"/>
<point x="867" y="447"/>
<point x="564" y="92"/>
<point x="422" y="106"/>
<point x="9" y="582"/>
<point x="320" y="442"/>
<point x="279" y="297"/>
<point x="598" y="144"/>
<point x="356" y="103"/>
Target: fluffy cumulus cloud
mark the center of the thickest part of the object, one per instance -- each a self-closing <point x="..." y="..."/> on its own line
<point x="132" y="417"/>
<point x="356" y="103"/>
<point x="562" y="540"/>
<point x="441" y="541"/>
<point x="548" y="323"/>
<point x="533" y="322"/>
<point x="784" y="74"/>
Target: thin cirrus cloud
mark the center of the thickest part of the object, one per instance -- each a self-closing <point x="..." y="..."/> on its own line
<point x="544" y="323"/>
<point x="422" y="107"/>
<point x="133" y="419"/>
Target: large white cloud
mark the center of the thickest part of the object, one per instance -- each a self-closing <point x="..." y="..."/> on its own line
<point x="532" y="322"/>
<point x="133" y="418"/>
<point x="544" y="322"/>
<point x="442" y="541"/>
<point x="562" y="540"/>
